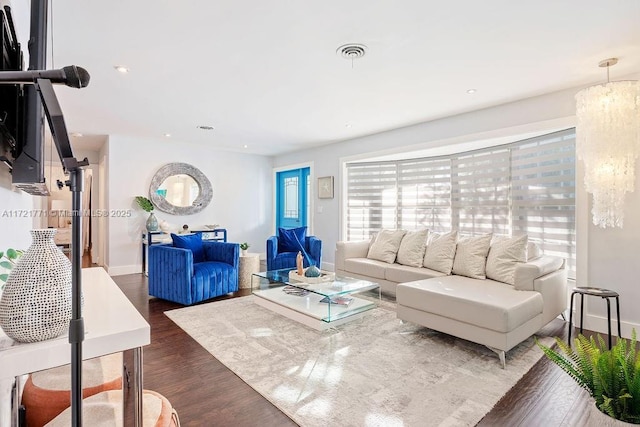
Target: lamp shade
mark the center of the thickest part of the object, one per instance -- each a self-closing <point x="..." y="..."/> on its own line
<point x="608" y="142"/>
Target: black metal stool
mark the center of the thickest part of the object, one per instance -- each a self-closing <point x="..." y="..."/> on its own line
<point x="596" y="292"/>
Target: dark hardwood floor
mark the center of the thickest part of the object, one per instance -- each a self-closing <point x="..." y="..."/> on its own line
<point x="206" y="393"/>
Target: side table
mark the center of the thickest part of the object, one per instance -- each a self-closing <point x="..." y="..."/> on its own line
<point x="249" y="264"/>
<point x="596" y="292"/>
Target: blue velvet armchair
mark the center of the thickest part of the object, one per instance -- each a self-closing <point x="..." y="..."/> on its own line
<point x="277" y="260"/>
<point x="174" y="276"/>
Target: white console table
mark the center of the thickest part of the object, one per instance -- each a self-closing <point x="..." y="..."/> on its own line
<point x="112" y="324"/>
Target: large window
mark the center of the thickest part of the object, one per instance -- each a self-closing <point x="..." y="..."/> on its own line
<point x="527" y="187"/>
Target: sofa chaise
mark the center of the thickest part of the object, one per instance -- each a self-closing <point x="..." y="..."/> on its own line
<point x="525" y="292"/>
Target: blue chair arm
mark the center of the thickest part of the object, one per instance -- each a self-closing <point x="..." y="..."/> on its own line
<point x="170" y="272"/>
<point x="228" y="253"/>
<point x="272" y="251"/>
<point x="314" y="249"/>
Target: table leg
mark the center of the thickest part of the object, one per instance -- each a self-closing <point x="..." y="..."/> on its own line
<point x="609" y="321"/>
<point x="132" y="386"/>
<point x="581" y="310"/>
<point x="570" y="318"/>
<point x="618" y="316"/>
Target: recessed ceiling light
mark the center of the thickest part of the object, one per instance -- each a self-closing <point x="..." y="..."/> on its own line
<point x="121" y="69"/>
<point x="470" y="91"/>
<point x="245" y="146"/>
<point x="348" y="125"/>
<point x="205" y="127"/>
<point x="167" y="135"/>
<point x="76" y="134"/>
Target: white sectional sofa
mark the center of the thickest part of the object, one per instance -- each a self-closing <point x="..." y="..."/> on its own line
<point x="490" y="312"/>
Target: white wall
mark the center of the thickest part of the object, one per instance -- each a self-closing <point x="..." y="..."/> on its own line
<point x="606" y="258"/>
<point x="241" y="194"/>
<point x="17" y="214"/>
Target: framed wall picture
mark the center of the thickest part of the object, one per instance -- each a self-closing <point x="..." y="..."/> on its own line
<point x="325" y="187"/>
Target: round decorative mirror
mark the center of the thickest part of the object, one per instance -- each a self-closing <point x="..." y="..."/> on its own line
<point x="180" y="189"/>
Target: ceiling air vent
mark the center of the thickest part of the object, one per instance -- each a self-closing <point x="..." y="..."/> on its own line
<point x="352" y="51"/>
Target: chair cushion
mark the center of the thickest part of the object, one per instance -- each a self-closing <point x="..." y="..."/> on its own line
<point x="192" y="242"/>
<point x="212" y="279"/>
<point x="292" y="239"/>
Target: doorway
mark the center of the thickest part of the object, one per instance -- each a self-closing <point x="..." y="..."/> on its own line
<point x="292" y="198"/>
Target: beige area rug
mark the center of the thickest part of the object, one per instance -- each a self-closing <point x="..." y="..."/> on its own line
<point x="374" y="371"/>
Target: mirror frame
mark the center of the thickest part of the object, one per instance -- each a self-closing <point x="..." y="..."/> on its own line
<point x="202" y="201"/>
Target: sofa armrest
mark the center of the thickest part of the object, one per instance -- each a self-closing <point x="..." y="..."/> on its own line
<point x="222" y="252"/>
<point x="272" y="251"/>
<point x="526" y="273"/>
<point x="346" y="250"/>
<point x="167" y="263"/>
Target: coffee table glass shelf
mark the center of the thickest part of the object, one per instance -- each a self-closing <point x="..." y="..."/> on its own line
<point x="301" y="301"/>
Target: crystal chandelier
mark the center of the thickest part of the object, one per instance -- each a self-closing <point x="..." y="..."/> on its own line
<point x="608" y="142"/>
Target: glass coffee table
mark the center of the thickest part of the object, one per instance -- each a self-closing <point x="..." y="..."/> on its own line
<point x="322" y="305"/>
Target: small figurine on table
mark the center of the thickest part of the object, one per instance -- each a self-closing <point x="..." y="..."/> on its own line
<point x="299" y="264"/>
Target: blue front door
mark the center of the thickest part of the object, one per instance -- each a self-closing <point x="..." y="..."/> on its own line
<point x="292" y="189"/>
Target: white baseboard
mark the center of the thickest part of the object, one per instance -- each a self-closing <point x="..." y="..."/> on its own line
<point x="599" y="324"/>
<point x="327" y="266"/>
<point x="124" y="269"/>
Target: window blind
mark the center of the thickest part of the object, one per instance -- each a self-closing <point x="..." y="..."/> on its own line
<point x="544" y="193"/>
<point x="372" y="198"/>
<point x="424" y="188"/>
<point x="526" y="187"/>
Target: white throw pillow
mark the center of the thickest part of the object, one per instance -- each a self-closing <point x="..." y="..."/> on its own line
<point x="440" y="252"/>
<point x="412" y="248"/>
<point x="533" y="251"/>
<point x="471" y="256"/>
<point x="386" y="245"/>
<point x="504" y="255"/>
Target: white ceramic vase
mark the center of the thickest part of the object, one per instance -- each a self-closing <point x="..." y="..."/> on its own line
<point x="36" y="302"/>
<point x="598" y="418"/>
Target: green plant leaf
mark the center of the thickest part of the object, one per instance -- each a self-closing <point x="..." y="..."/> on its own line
<point x="6" y="264"/>
<point x="144" y="203"/>
<point x="4" y="277"/>
<point x="12" y="254"/>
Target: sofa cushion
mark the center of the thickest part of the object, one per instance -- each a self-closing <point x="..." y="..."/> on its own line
<point x="403" y="273"/>
<point x="533" y="251"/>
<point x="193" y="242"/>
<point x="471" y="256"/>
<point x="440" y="252"/>
<point x="505" y="253"/>
<point x="385" y="246"/>
<point x="487" y="304"/>
<point x="412" y="247"/>
<point x="291" y="239"/>
<point x="366" y="267"/>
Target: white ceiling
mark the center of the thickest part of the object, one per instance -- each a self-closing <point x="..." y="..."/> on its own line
<point x="266" y="74"/>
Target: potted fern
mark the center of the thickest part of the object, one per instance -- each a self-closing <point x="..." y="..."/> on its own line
<point x="612" y="377"/>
